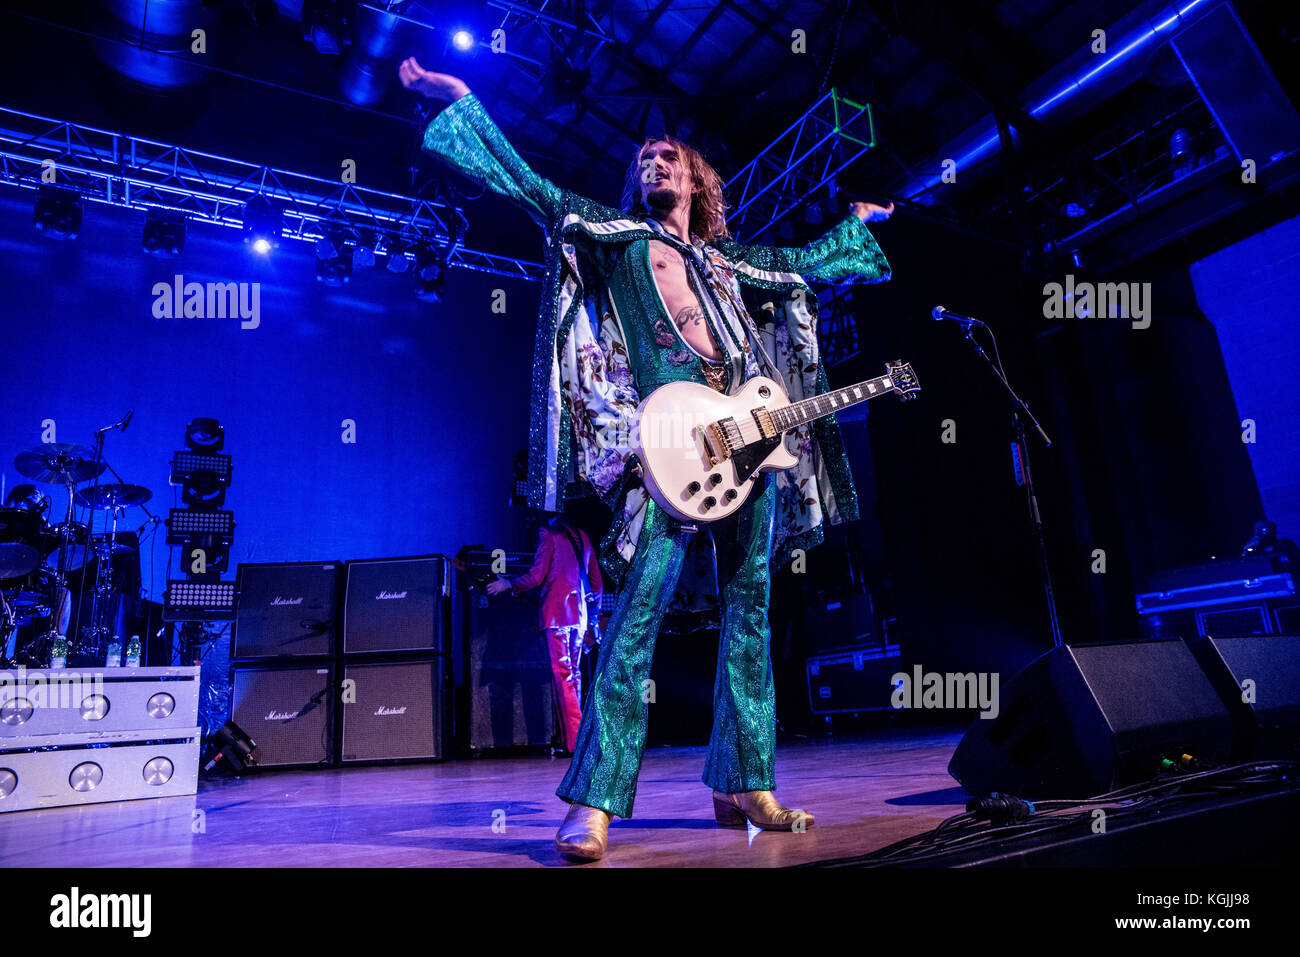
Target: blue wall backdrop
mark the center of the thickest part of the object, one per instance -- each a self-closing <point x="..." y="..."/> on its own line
<point x="438" y="391"/>
<point x="1250" y="291"/>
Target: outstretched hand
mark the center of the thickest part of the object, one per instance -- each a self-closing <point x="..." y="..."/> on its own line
<point x="436" y="86"/>
<point x="498" y="586"/>
<point x="870" y="212"/>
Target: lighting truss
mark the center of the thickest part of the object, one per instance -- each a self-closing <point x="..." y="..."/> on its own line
<point x="837" y="328"/>
<point x="133" y="172"/>
<point x="830" y="136"/>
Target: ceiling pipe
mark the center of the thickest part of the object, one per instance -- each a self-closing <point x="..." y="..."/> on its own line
<point x="1077" y="84"/>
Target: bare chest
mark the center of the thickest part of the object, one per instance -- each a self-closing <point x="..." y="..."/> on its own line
<point x="669" y="270"/>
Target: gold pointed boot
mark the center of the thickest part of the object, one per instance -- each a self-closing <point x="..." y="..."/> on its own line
<point x="759" y="808"/>
<point x="583" y="833"/>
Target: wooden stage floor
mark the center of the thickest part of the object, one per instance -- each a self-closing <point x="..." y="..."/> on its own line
<point x="866" y="792"/>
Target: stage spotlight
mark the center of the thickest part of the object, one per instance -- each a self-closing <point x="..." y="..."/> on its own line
<point x="164" y="233"/>
<point x="263" y="222"/>
<point x="363" y="252"/>
<point x="462" y="40"/>
<point x="208" y="600"/>
<point x="58" y="212"/>
<point x="205" y="435"/>
<point x="229" y="742"/>
<point x="262" y="11"/>
<point x="430" y="274"/>
<point x="325" y="23"/>
<point x="399" y="257"/>
<point x="333" y="258"/>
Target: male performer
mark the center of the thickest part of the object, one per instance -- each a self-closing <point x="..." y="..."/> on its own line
<point x="563" y="560"/>
<point x="633" y="299"/>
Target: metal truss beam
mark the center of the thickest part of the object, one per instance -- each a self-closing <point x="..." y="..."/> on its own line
<point x="830" y="136"/>
<point x="133" y="172"/>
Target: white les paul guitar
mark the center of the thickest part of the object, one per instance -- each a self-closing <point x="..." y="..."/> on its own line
<point x="700" y="451"/>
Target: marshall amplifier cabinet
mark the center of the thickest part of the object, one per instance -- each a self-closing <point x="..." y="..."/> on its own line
<point x="501" y="667"/>
<point x="287" y="711"/>
<point x="392" y="710"/>
<point x="394" y="604"/>
<point x="285" y="610"/>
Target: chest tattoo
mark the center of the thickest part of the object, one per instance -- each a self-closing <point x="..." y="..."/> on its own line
<point x="689" y="316"/>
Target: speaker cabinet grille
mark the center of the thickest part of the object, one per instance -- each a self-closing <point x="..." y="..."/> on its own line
<point x="393" y="605"/>
<point x="286" y="710"/>
<point x="392" y="711"/>
<point x="285" y="610"/>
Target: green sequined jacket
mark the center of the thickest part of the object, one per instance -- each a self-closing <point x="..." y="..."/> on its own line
<point x="582" y="388"/>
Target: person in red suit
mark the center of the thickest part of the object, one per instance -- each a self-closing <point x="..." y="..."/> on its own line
<point x="563" y="560"/>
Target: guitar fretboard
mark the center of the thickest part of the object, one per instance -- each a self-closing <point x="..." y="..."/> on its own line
<point x="797" y="413"/>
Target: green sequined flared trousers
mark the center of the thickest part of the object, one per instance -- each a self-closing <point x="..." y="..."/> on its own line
<point x="742" y="748"/>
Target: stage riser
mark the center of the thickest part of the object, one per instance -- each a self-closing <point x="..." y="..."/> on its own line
<point x="152" y="701"/>
<point x="45" y="778"/>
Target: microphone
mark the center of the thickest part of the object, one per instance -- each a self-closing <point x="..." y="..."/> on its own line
<point x="941" y="313"/>
<point x="120" y="426"/>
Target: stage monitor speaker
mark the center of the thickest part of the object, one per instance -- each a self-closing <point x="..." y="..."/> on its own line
<point x="393" y="604"/>
<point x="1258" y="679"/>
<point x="392" y="710"/>
<point x="506" y="691"/>
<point x="1241" y="92"/>
<point x="285" y="610"/>
<point x="287" y="711"/>
<point x="1082" y="720"/>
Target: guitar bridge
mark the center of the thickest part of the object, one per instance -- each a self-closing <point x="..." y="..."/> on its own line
<point x="715" y="441"/>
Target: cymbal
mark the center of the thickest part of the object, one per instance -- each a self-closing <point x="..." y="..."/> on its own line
<point x="58" y="463"/>
<point x="112" y="496"/>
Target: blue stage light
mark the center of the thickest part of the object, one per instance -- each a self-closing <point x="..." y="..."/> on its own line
<point x="263" y="223"/>
<point x="462" y="40"/>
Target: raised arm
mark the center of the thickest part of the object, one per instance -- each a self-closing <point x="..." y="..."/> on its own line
<point x="846" y="251"/>
<point x="464" y="137"/>
<point x="541" y="565"/>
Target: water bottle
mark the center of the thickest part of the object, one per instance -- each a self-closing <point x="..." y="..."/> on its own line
<point x="59" y="652"/>
<point x="133" y="652"/>
<point x="114" y="659"/>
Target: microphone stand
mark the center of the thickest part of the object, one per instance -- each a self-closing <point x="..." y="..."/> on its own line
<point x="1018" y="419"/>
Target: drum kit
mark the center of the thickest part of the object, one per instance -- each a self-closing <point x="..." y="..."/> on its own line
<point x="38" y="556"/>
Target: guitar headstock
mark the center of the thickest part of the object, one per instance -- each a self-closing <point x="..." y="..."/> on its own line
<point x="906" y="384"/>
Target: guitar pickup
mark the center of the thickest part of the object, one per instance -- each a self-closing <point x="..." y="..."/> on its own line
<point x="765" y="426"/>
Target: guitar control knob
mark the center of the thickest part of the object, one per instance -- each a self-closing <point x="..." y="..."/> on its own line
<point x="693" y="488"/>
<point x="714" y="479"/>
<point x="708" y="503"/>
<point x="729" y="495"/>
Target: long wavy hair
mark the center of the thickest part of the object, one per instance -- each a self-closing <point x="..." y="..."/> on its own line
<point x="708" y="208"/>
